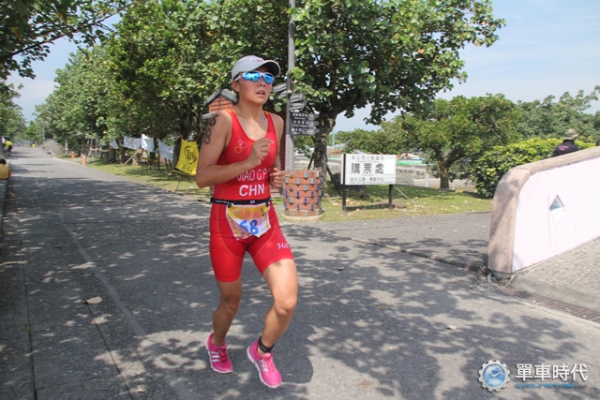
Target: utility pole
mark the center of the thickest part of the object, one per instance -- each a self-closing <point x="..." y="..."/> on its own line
<point x="289" y="140"/>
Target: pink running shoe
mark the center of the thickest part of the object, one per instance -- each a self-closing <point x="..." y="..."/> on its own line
<point x="267" y="371"/>
<point x="219" y="360"/>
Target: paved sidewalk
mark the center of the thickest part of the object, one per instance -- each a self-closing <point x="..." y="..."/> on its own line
<point x="572" y="277"/>
<point x="3" y="185"/>
<point x="462" y="240"/>
<point x="456" y="239"/>
<point x="379" y="315"/>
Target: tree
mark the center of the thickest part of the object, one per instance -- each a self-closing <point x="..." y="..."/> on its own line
<point x="12" y="122"/>
<point x="390" y="55"/>
<point x="27" y="27"/>
<point x="168" y="56"/>
<point x="34" y="131"/>
<point x="374" y="142"/>
<point x="451" y="130"/>
<point x="157" y="61"/>
<point x="79" y="104"/>
<point x="550" y="119"/>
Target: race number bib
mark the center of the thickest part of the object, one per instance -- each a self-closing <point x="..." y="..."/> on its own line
<point x="248" y="220"/>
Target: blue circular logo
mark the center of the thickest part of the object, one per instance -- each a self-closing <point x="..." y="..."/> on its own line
<point x="494" y="375"/>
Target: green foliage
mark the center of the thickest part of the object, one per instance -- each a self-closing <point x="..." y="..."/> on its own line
<point x="342" y="136"/>
<point x="392" y="55"/>
<point x="168" y="56"/>
<point x="453" y="130"/>
<point x="157" y="69"/>
<point x="460" y="169"/>
<point x="550" y="119"/>
<point x="27" y="27"/>
<point x="74" y="111"/>
<point x="303" y="144"/>
<point x="493" y="164"/>
<point x="12" y="122"/>
<point x="374" y="142"/>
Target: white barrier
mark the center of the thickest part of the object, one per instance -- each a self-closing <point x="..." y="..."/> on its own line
<point x="543" y="209"/>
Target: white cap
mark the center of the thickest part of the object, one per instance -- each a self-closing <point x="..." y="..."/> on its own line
<point x="252" y="63"/>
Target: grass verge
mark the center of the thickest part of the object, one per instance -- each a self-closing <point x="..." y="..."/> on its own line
<point x="372" y="204"/>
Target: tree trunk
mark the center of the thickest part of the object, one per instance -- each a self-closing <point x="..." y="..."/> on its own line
<point x="121" y="153"/>
<point x="444" y="174"/>
<point x="176" y="150"/>
<point x="156" y="153"/>
<point x="326" y="124"/>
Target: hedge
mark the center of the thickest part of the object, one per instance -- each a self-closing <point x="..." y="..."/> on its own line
<point x="488" y="169"/>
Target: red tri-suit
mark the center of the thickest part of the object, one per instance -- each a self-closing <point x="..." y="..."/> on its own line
<point x="228" y="241"/>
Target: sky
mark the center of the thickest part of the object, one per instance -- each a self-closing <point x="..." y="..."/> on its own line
<point x="548" y="47"/>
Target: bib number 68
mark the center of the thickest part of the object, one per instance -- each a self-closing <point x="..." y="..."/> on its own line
<point x="250" y="227"/>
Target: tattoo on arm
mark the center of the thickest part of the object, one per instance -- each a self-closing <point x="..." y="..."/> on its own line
<point x="208" y="132"/>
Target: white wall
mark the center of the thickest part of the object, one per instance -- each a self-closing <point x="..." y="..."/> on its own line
<point x="541" y="233"/>
<point x="524" y="231"/>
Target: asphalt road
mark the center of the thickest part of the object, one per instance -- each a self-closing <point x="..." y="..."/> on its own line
<point x="374" y="320"/>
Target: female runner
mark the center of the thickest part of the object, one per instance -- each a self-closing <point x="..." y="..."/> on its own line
<point x="240" y="158"/>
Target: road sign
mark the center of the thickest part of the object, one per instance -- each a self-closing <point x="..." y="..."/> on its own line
<point x="297" y="106"/>
<point x="305" y="122"/>
<point x="281" y="94"/>
<point x="296" y="97"/>
<point x="368" y="169"/>
<point x="302" y="130"/>
<point x="280" y="88"/>
<point x="296" y="116"/>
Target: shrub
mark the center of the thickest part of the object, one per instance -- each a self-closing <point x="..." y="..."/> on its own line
<point x="488" y="169"/>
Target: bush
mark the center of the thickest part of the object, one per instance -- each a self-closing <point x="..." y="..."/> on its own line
<point x="493" y="164"/>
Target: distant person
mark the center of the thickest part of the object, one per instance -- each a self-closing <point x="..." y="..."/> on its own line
<point x="8" y="145"/>
<point x="4" y="170"/>
<point x="568" y="145"/>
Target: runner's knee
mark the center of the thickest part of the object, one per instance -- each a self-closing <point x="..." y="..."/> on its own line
<point x="230" y="305"/>
<point x="285" y="305"/>
<point x="230" y="302"/>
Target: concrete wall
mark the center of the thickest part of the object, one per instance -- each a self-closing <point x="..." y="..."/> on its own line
<point x="543" y="209"/>
<point x="56" y="148"/>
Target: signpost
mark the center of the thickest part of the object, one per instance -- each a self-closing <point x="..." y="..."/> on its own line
<point x="304" y="123"/>
<point x="300" y="130"/>
<point x="368" y="169"/>
<point x="279" y="88"/>
<point x="297" y="106"/>
<point x="296" y="98"/>
<point x="303" y="116"/>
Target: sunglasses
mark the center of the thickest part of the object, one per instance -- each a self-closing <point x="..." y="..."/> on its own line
<point x="255" y="76"/>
